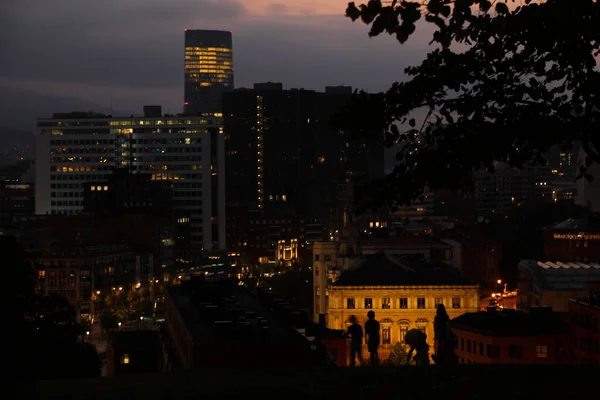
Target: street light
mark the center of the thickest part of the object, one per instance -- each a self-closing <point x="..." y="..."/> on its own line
<point x="142" y="318"/>
<point x="120" y="288"/>
<point x="97" y="292"/>
<point x="499" y="281"/>
<point x="87" y="333"/>
<point x="119" y="324"/>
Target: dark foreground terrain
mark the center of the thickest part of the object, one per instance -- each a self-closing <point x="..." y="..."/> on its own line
<point x="462" y="382"/>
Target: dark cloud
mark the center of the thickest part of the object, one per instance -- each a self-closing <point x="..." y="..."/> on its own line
<point x="137" y="45"/>
<point x="123" y="42"/>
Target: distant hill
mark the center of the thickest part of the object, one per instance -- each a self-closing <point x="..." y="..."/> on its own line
<point x="15" y="144"/>
<point x="19" y="108"/>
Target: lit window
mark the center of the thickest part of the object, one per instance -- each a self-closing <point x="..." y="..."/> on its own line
<point x="105" y="187"/>
<point x="403" y="302"/>
<point x="386" y="303"/>
<point x="368" y="303"/>
<point x="386" y="335"/>
<point x="125" y="359"/>
<point x="98" y="188"/>
<point x="541" y="351"/>
<point x="456" y="302"/>
<point x="421" y="302"/>
<point x="93" y="188"/>
<point x="350" y="303"/>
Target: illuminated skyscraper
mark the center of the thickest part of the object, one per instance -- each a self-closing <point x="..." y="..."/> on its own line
<point x="208" y="70"/>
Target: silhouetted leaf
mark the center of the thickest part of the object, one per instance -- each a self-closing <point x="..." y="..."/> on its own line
<point x="352" y="12"/>
<point x="501" y="8"/>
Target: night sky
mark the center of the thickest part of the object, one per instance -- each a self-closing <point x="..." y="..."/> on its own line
<point x="132" y="50"/>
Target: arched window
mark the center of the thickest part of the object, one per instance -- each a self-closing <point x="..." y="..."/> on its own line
<point x="404" y="325"/>
<point x="386" y="331"/>
<point x="421" y="324"/>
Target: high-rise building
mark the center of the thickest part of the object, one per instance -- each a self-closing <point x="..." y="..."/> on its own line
<point x="208" y="70"/>
<point x="78" y="148"/>
<point x="281" y="151"/>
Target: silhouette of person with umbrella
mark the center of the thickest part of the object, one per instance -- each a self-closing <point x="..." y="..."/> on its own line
<point x="417" y="340"/>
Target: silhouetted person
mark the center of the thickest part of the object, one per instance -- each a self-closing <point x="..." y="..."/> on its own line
<point x="422" y="349"/>
<point x="443" y="338"/>
<point x="356" y="337"/>
<point x="372" y="332"/>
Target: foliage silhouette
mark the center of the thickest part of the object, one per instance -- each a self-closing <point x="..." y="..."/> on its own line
<point x="108" y="321"/>
<point x="397" y="356"/>
<point x="41" y="331"/>
<point x="505" y="81"/>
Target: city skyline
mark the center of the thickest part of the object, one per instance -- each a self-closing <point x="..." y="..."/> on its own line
<point x="131" y="53"/>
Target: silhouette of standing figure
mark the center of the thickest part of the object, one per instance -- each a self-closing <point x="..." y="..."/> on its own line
<point x="356" y="336"/>
<point x="443" y="339"/>
<point x="372" y="332"/>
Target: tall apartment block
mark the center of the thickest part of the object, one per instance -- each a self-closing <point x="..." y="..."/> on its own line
<point x="76" y="148"/>
<point x="208" y="70"/>
<point x="282" y="152"/>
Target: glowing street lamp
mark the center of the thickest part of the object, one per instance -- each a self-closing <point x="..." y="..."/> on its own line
<point x="119" y="324"/>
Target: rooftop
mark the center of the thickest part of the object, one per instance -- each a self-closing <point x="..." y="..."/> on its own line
<point x="514" y="382"/>
<point x="513" y="323"/>
<point x="593" y="299"/>
<point x="558" y="275"/>
<point x="403" y="241"/>
<point x="590" y="223"/>
<point x="383" y="269"/>
<point x="220" y="311"/>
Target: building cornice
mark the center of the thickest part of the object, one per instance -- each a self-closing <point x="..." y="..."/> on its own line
<point x="412" y="287"/>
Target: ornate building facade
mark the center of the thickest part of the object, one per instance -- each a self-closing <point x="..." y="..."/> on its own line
<point x="403" y="293"/>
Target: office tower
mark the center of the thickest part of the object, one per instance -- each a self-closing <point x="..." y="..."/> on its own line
<point x="281" y="151"/>
<point x="76" y="148"/>
<point x="208" y="70"/>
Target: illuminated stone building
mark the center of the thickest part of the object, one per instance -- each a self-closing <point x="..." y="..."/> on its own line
<point x="403" y="292"/>
<point x="287" y="252"/>
<point x="208" y="70"/>
<point x="186" y="151"/>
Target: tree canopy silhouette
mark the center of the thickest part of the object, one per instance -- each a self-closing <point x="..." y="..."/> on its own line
<point x="505" y="81"/>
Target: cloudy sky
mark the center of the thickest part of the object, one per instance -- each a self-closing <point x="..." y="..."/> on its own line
<point x="132" y="50"/>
